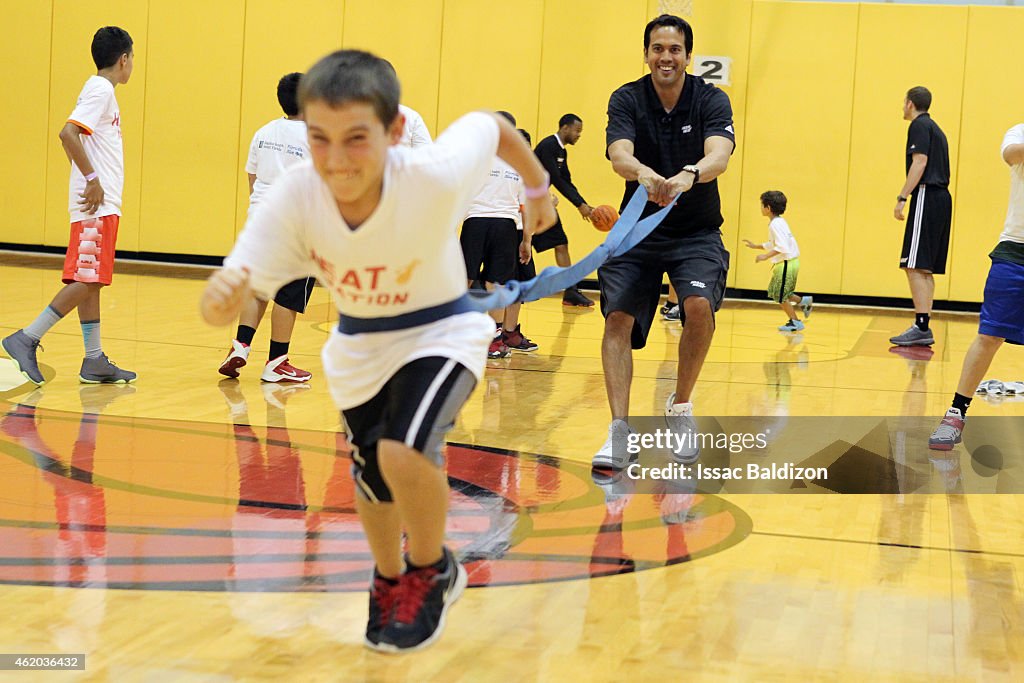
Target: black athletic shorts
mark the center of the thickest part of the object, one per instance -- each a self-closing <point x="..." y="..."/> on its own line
<point x="524" y="271"/>
<point x="417" y="407"/>
<point x="550" y="238"/>
<point x="697" y="265"/>
<point x="295" y="295"/>
<point x="491" y="249"/>
<point x="926" y="237"/>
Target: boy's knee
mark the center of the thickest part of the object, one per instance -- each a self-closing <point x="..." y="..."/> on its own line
<point x="368" y="476"/>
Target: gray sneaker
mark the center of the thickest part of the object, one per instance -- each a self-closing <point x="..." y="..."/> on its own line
<point x="913" y="336"/>
<point x="806" y="305"/>
<point x="949" y="432"/>
<point x="101" y="371"/>
<point x="684" y="429"/>
<point x="614" y="453"/>
<point x="22" y="350"/>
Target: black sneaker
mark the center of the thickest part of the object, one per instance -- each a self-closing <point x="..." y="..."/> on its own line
<point x="382" y="605"/>
<point x="423" y="598"/>
<point x="573" y="297"/>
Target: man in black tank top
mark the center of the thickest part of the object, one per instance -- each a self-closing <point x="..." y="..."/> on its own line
<point x="928" y="216"/>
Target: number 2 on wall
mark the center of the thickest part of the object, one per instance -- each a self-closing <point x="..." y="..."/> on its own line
<point x="712" y="69"/>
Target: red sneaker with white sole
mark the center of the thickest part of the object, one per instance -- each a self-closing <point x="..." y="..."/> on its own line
<point x="237" y="358"/>
<point x="280" y="370"/>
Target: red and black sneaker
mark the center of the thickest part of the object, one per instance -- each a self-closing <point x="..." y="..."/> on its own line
<point x="517" y="341"/>
<point x="424" y="597"/>
<point x="383" y="592"/>
<point x="497" y="349"/>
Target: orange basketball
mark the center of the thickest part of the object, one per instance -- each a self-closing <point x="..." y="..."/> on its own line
<point x="603" y="217"/>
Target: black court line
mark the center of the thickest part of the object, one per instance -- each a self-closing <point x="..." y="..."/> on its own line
<point x="887" y="544"/>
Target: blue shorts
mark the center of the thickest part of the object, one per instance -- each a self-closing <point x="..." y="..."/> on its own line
<point x="1002" y="311"/>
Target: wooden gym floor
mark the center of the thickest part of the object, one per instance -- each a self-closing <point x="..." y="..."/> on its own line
<point x="187" y="528"/>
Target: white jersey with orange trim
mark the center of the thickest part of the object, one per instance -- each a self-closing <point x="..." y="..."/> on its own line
<point x="405" y="257"/>
<point x="97" y="116"/>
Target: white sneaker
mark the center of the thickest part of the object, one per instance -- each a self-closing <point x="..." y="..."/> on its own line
<point x="238" y="356"/>
<point x="614" y="454"/>
<point x="280" y="370"/>
<point x="680" y="420"/>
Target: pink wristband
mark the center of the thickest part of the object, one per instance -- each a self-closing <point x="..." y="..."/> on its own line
<point x="91" y="177"/>
<point x="540" y="191"/>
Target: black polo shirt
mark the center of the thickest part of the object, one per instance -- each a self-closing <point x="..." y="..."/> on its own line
<point x="555" y="159"/>
<point x="925" y="137"/>
<point x="667" y="141"/>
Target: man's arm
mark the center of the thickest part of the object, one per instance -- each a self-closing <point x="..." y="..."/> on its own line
<point x="629" y="167"/>
<point x="252" y="182"/>
<point x="717" y="151"/>
<point x="917" y="165"/>
<point x="70" y="138"/>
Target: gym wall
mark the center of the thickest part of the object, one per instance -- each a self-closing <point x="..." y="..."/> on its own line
<point x="816" y="89"/>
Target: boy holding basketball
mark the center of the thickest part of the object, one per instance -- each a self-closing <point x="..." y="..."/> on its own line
<point x="91" y="137"/>
<point x="782" y="249"/>
<point x="376" y="223"/>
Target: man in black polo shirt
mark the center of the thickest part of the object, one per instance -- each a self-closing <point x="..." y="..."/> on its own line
<point x="672" y="133"/>
<point x="926" y="237"/>
<point x="553" y="153"/>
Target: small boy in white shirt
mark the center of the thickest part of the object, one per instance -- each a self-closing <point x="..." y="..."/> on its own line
<point x="782" y="249"/>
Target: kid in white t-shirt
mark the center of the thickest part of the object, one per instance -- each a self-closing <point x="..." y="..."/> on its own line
<point x="377" y="224"/>
<point x="275" y="147"/>
<point x="784" y="253"/>
<point x="91" y="137"/>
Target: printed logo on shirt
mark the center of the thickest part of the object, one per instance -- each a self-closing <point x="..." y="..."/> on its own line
<point x="729" y="128"/>
<point x="698" y="283"/>
<point x="404" y="274"/>
<point x="687" y="128"/>
<point x="292" y="150"/>
<point x="363" y="285"/>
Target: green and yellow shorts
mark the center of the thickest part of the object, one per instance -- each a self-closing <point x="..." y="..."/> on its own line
<point x="783" y="282"/>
